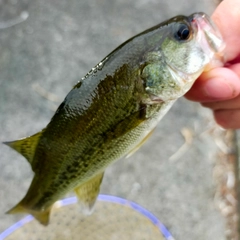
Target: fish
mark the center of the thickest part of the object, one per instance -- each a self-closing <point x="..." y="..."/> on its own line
<point x="113" y="110"/>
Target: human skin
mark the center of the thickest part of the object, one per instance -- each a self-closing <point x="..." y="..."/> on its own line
<point x="219" y="88"/>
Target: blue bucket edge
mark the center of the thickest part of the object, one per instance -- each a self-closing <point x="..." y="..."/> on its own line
<point x="101" y="197"/>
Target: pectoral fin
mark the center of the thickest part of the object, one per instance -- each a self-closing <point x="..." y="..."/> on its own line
<point x="26" y="146"/>
<point x="139" y="144"/>
<point x="87" y="193"/>
<point x="42" y="217"/>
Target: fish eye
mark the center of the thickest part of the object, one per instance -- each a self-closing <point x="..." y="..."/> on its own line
<point x="182" y="32"/>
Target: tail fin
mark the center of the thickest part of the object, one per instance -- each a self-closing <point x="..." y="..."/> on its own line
<point x="42" y="217"/>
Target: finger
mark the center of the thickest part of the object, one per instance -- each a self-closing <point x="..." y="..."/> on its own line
<point x="224" y="105"/>
<point x="236" y="68"/>
<point x="216" y="84"/>
<point x="234" y="61"/>
<point x="228" y="118"/>
<point x="227" y="18"/>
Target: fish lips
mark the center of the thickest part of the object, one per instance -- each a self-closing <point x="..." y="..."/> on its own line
<point x="210" y="39"/>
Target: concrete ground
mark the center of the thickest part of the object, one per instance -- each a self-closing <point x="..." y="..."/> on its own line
<point x="172" y="175"/>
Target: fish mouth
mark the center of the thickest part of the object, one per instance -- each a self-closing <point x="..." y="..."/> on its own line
<point x="209" y="38"/>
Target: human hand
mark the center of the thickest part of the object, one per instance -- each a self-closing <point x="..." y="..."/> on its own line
<point x="219" y="88"/>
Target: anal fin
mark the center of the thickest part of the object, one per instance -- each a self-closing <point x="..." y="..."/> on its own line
<point x="87" y="193"/>
<point x="41" y="216"/>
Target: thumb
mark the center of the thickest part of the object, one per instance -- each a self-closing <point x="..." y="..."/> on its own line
<point x="216" y="84"/>
<point x="227" y="19"/>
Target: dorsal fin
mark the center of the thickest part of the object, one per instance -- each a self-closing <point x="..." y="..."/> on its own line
<point x="26" y="146"/>
<point x="87" y="193"/>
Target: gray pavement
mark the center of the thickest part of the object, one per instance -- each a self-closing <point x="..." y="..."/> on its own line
<point x="56" y="46"/>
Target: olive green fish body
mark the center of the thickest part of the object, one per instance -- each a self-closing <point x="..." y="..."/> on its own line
<point x="111" y="111"/>
<point x="90" y="133"/>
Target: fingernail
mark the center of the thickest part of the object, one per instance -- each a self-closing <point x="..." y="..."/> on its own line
<point x="218" y="88"/>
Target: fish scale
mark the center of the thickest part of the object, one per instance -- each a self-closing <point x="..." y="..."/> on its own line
<point x="112" y="111"/>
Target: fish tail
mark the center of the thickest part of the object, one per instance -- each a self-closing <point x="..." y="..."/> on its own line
<point x="42" y="217"/>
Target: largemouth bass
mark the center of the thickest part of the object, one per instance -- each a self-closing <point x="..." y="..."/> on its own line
<point x="111" y="111"/>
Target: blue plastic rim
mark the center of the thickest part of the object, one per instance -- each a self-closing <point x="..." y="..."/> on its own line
<point x="101" y="197"/>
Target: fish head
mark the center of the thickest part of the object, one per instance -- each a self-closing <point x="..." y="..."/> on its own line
<point x="190" y="45"/>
